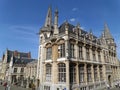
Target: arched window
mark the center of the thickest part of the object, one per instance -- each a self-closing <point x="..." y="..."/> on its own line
<point x="72" y="73"/>
<point x="95" y="73"/>
<point x="48" y="72"/>
<point x="80" y="52"/>
<point x="61" y="50"/>
<point x="72" y="50"/>
<point x="61" y="72"/>
<point x="81" y="73"/>
<point x="48" y="53"/>
<point x="89" y="77"/>
<point x="87" y="54"/>
<point x="101" y="73"/>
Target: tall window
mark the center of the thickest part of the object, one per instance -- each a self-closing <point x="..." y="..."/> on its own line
<point x="101" y="74"/>
<point x="49" y="53"/>
<point x="89" y="78"/>
<point x="99" y="56"/>
<point x="94" y="57"/>
<point x="46" y="87"/>
<point x="95" y="73"/>
<point x="22" y="70"/>
<point x="15" y="70"/>
<point x="62" y="50"/>
<point x="80" y="52"/>
<point x="72" y="73"/>
<point x="81" y="73"/>
<point x="48" y="72"/>
<point x="72" y="50"/>
<point x="104" y="56"/>
<point x="61" y="72"/>
<point x="87" y="54"/>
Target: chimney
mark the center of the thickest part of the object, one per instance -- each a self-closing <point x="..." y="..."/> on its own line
<point x="29" y="55"/>
<point x="15" y="53"/>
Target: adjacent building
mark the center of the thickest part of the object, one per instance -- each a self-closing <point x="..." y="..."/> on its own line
<point x="31" y="72"/>
<point x="13" y="66"/>
<point x="71" y="58"/>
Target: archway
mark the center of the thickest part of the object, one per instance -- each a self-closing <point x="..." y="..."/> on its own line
<point x="109" y="80"/>
<point x="38" y="82"/>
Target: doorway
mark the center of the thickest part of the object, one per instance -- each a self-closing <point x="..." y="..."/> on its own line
<point x="109" y="80"/>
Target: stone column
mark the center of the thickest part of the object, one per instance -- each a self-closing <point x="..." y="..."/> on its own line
<point x="92" y="73"/>
<point x="44" y="72"/>
<point x="96" y="55"/>
<point x="76" y="51"/>
<point x="90" y="54"/>
<point x="98" y="73"/>
<point x="77" y="74"/>
<point x="84" y="52"/>
<point x="85" y="73"/>
<point x="104" y="72"/>
<point x="67" y="76"/>
<point x="54" y="73"/>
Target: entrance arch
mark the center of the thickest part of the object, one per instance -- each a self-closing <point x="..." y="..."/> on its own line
<point x="109" y="80"/>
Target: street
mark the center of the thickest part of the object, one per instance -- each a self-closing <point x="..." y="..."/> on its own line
<point x="15" y="88"/>
<point x="20" y="88"/>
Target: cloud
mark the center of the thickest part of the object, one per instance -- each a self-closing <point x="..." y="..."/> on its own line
<point x="74" y="9"/>
<point x="25" y="33"/>
<point x="82" y="28"/>
<point x="72" y="19"/>
<point x="24" y="30"/>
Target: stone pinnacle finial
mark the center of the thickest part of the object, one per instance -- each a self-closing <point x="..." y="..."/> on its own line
<point x="48" y="21"/>
<point x="107" y="33"/>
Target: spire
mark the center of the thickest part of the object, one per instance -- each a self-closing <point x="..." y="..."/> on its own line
<point x="107" y="33"/>
<point x="78" y="25"/>
<point x="56" y="22"/>
<point x="48" y="21"/>
<point x="90" y="32"/>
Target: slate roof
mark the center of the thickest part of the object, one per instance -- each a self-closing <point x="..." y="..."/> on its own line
<point x="71" y="29"/>
<point x="62" y="27"/>
<point x="20" y="54"/>
<point x="22" y="61"/>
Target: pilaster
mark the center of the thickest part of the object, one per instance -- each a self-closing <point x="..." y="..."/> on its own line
<point x="67" y="76"/>
<point x="98" y="73"/>
<point x="92" y="73"/>
<point x="77" y="74"/>
<point x="54" y="73"/>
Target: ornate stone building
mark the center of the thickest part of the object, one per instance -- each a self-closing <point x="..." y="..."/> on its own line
<point x="72" y="59"/>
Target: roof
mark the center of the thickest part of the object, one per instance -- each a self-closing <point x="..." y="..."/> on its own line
<point x="62" y="27"/>
<point x="22" y="61"/>
<point x="16" y="54"/>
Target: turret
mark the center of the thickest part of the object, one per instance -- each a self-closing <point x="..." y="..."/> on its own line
<point x="47" y="29"/>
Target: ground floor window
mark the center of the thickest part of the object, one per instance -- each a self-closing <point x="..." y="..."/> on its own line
<point x="46" y="87"/>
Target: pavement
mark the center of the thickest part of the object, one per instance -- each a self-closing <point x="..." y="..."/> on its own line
<point x="113" y="89"/>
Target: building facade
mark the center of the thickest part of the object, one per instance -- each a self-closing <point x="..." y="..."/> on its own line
<point x="31" y="69"/>
<point x="73" y="59"/>
<point x="13" y="66"/>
